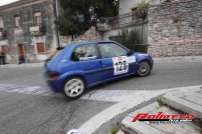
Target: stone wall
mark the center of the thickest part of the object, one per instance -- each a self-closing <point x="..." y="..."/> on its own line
<point x="175" y="28"/>
<point x="90" y="34"/>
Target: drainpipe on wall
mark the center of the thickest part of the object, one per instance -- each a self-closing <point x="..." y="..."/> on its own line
<point x="56" y="15"/>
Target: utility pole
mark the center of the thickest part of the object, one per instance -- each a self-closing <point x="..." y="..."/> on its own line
<point x="56" y="15"/>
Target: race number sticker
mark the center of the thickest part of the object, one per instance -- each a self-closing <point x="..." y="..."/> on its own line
<point x="131" y="59"/>
<point x="120" y="65"/>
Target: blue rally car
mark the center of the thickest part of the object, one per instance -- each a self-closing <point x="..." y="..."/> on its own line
<point x="82" y="65"/>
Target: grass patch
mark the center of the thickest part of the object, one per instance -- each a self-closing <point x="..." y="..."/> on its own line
<point x="114" y="130"/>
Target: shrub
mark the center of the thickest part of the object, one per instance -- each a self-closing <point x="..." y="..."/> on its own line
<point x="132" y="40"/>
<point x="141" y="9"/>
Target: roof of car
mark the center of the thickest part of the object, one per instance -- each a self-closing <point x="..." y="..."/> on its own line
<point x="89" y="42"/>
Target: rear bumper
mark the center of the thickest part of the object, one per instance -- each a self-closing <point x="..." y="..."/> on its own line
<point x="55" y="85"/>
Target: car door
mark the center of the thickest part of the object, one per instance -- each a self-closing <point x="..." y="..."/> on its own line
<point x="115" y="60"/>
<point x="86" y="60"/>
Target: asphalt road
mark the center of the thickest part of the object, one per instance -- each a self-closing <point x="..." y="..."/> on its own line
<point x="35" y="114"/>
<point x="164" y="75"/>
<point x="28" y="114"/>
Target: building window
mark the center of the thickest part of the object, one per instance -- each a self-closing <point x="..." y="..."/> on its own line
<point x="1" y="22"/>
<point x="40" y="48"/>
<point x="17" y="21"/>
<point x="38" y="18"/>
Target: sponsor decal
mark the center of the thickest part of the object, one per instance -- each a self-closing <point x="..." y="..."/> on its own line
<point x="162" y="118"/>
<point x="131" y="59"/>
<point x="121" y="64"/>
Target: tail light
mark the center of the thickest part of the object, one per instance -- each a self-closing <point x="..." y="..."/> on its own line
<point x="53" y="75"/>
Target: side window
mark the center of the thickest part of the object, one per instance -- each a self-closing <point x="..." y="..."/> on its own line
<point x="109" y="50"/>
<point x="1" y="22"/>
<point x="84" y="53"/>
<point x="38" y="18"/>
<point x="17" y="21"/>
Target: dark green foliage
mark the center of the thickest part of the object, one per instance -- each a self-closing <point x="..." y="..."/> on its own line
<point x="114" y="131"/>
<point x="76" y="17"/>
<point x="132" y="40"/>
<point x="141" y="9"/>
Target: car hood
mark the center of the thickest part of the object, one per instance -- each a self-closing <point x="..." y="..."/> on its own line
<point x="140" y="54"/>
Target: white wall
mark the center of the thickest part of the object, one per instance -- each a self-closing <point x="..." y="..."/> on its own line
<point x="127" y="5"/>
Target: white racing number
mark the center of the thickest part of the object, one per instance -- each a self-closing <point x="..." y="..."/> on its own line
<point x="120" y="65"/>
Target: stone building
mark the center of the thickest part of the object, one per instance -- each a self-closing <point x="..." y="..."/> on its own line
<point x="26" y="30"/>
<point x="175" y="28"/>
<point x="171" y="28"/>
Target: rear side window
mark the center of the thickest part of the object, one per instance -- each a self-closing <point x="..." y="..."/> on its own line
<point x="84" y="53"/>
<point x="109" y="50"/>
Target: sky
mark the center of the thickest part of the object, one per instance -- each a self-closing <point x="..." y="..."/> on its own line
<point x="4" y="2"/>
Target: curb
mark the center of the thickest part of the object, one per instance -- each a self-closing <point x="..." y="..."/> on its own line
<point x="103" y="122"/>
<point x="178" y="59"/>
<point x="22" y="65"/>
<point x="176" y="102"/>
<point x="139" y="127"/>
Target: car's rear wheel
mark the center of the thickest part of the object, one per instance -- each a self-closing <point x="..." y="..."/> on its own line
<point x="74" y="88"/>
<point x="144" y="69"/>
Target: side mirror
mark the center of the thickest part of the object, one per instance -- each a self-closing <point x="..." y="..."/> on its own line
<point x="130" y="53"/>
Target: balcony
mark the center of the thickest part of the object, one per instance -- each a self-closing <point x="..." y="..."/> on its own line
<point x="38" y="30"/>
<point x="18" y="35"/>
<point x="18" y="32"/>
<point x="3" y="34"/>
<point x="3" y="37"/>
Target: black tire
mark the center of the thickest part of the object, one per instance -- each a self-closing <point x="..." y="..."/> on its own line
<point x="144" y="69"/>
<point x="80" y="89"/>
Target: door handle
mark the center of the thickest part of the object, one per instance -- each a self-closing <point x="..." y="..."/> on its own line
<point x="100" y="62"/>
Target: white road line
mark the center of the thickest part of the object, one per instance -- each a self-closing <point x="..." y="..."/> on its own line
<point x="114" y="95"/>
<point x="32" y="90"/>
<point x="94" y="95"/>
<point x="38" y="92"/>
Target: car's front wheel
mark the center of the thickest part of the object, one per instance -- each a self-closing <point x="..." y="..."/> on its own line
<point x="144" y="69"/>
<point x="74" y="88"/>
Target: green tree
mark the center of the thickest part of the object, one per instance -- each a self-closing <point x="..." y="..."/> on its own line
<point x="77" y="16"/>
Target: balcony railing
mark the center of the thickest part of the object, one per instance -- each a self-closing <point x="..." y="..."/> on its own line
<point x="19" y="35"/>
<point x="120" y="21"/>
<point x="18" y="32"/>
<point x="3" y="34"/>
<point x="37" y="30"/>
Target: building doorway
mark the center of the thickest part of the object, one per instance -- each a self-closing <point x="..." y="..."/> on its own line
<point x="2" y="55"/>
<point x="21" y="52"/>
<point x="41" y="51"/>
<point x="40" y="47"/>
